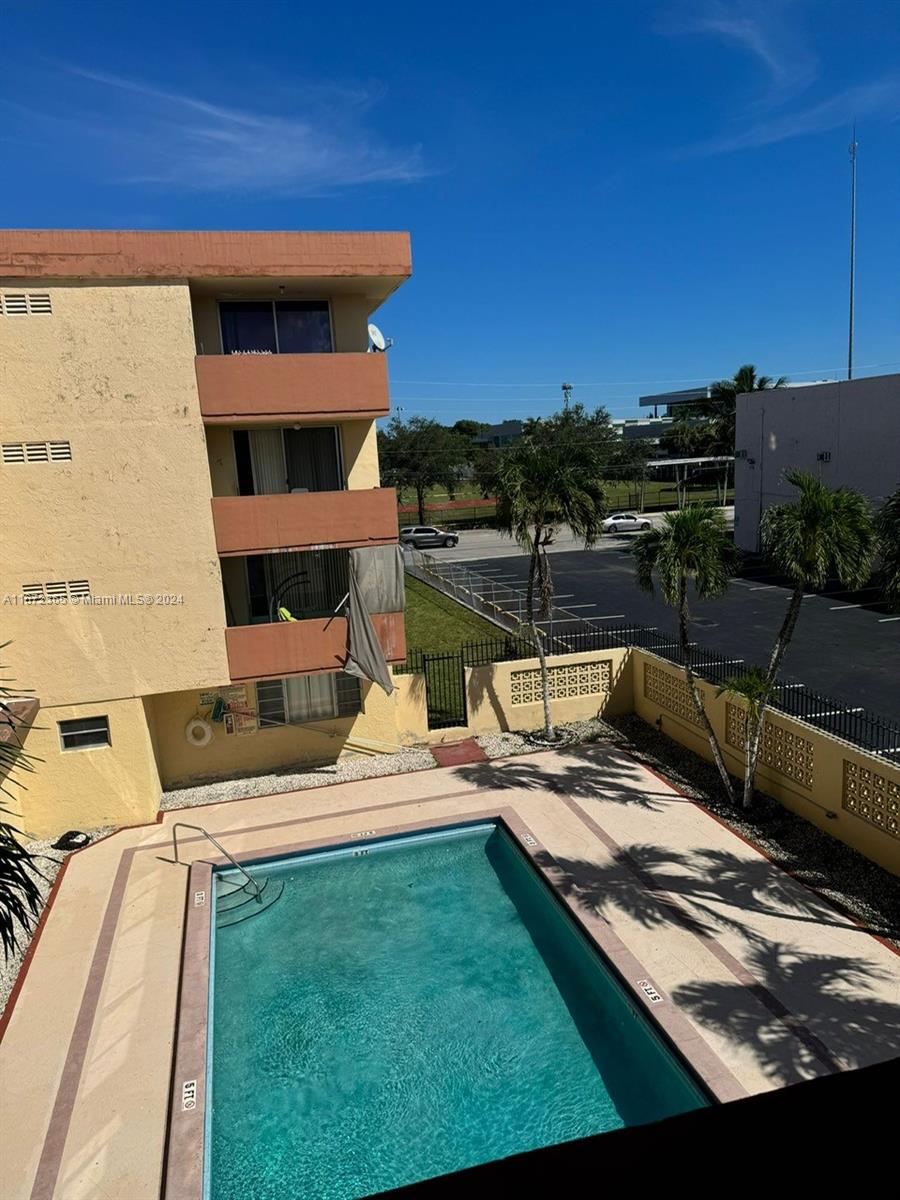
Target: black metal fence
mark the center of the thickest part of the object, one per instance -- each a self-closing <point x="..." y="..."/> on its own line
<point x="445" y="689"/>
<point x="865" y="729"/>
<point x="445" y="680"/>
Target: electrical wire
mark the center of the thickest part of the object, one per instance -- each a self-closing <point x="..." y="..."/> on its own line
<point x="626" y="382"/>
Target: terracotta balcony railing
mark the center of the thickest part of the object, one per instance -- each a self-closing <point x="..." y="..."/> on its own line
<point x="303" y="647"/>
<point x="304" y="521"/>
<point x="265" y="388"/>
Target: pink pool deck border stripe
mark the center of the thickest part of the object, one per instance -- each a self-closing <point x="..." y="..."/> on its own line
<point x="186" y="1132"/>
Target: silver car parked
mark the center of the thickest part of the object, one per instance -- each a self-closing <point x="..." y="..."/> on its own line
<point x="623" y="521"/>
<point x="424" y="536"/>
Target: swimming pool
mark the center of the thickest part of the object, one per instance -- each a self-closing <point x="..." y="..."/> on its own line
<point x="409" y="1008"/>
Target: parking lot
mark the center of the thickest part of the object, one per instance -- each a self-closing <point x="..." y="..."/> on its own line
<point x="846" y="646"/>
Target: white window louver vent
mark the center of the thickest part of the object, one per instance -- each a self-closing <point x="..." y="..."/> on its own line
<point x="59" y="591"/>
<point x="18" y="304"/>
<point x="31" y="452"/>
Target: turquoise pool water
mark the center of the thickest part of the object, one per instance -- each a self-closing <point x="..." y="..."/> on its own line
<point x="419" y="1008"/>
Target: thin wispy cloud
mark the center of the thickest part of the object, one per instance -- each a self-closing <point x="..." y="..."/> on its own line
<point x="139" y="133"/>
<point x="775" y="35"/>
<point x="749" y="35"/>
<point x="878" y="99"/>
<point x="765" y="30"/>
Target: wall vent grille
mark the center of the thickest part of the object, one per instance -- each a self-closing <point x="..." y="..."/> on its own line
<point x="33" y="452"/>
<point x="59" y="591"/>
<point x="22" y="304"/>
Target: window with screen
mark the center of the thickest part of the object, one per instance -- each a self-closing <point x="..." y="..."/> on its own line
<point x="84" y="734"/>
<point x="304" y="698"/>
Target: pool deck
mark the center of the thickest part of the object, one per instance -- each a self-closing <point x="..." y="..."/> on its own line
<point x="766" y="981"/>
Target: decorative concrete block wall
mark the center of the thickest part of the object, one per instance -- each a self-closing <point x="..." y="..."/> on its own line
<point x="850" y="794"/>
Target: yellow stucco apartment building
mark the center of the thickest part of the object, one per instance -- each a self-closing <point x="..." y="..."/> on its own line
<point x="188" y="446"/>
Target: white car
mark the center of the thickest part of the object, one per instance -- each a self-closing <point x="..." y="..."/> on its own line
<point x="620" y="522"/>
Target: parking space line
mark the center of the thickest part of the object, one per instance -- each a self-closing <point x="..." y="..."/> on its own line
<point x="765" y="587"/>
<point x="850" y="591"/>
<point x="884" y="620"/>
<point x="838" y="607"/>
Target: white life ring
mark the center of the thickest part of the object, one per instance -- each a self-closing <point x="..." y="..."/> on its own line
<point x="198" y="732"/>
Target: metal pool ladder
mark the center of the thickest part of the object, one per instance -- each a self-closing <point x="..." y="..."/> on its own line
<point x="255" y="887"/>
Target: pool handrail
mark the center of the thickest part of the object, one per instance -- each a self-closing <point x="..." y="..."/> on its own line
<point x="218" y="845"/>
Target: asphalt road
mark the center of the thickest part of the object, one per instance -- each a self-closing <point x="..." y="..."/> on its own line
<point x="476" y="544"/>
<point x="844" y="646"/>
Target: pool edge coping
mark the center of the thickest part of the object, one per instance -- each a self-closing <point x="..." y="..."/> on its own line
<point x="184" y="1165"/>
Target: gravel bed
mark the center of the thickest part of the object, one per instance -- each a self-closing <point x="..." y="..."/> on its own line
<point x="48" y="861"/>
<point x="347" y="769"/>
<point x="500" y="745"/>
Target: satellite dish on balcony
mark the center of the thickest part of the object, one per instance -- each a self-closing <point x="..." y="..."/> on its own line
<point x="379" y="342"/>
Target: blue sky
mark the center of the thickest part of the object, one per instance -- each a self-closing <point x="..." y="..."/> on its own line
<point x="629" y="196"/>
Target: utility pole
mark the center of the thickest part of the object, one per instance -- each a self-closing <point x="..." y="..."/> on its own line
<point x="567" y="395"/>
<point x="854" y="146"/>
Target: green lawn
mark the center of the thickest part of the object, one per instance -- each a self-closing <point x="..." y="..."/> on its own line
<point x="618" y="496"/>
<point x="436" y="622"/>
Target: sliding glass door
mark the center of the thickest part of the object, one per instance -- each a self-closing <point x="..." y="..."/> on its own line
<point x="248" y="328"/>
<point x="275" y="327"/>
<point x="273" y="461"/>
<point x="313" y="461"/>
<point x="306" y="584"/>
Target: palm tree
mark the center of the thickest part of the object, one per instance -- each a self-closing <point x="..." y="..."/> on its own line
<point x="550" y="478"/>
<point x="707" y="426"/>
<point x="723" y="399"/>
<point x="20" y="897"/>
<point x="824" y="531"/>
<point x="887" y="528"/>
<point x="690" y="545"/>
<point x="744" y="379"/>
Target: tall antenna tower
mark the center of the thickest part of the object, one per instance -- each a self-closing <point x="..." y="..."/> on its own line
<point x="567" y="394"/>
<point x="854" y="146"/>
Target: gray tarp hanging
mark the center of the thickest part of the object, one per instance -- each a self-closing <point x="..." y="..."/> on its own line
<point x="365" y="657"/>
<point x="379" y="571"/>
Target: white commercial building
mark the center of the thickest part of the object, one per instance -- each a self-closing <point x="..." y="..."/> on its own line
<point x="846" y="433"/>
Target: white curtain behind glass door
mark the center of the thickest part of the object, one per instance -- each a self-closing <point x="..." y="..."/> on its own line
<point x="267" y="456"/>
